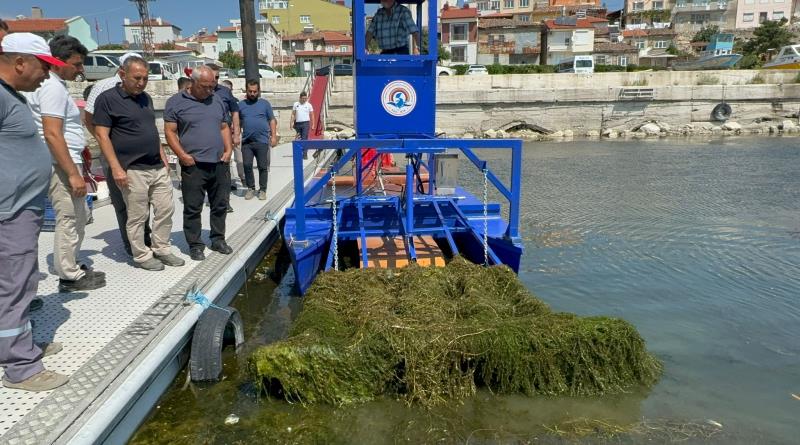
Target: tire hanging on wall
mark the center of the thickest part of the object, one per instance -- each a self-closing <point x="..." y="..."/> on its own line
<point x="205" y="361"/>
<point x="721" y="112"/>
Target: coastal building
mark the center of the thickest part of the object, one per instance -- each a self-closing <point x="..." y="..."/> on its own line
<point x="643" y="14"/>
<point x="690" y="16"/>
<point x="751" y="13"/>
<point x="459" y="31"/>
<point x="621" y="54"/>
<point x="294" y="16"/>
<point x="203" y="44"/>
<point x="48" y="28"/>
<point x="163" y="31"/>
<point x="508" y="42"/>
<point x="310" y="51"/>
<point x="566" y="37"/>
<point x="268" y="40"/>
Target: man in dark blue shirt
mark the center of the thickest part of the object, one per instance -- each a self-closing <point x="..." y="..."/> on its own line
<point x="196" y="130"/>
<point x="258" y="135"/>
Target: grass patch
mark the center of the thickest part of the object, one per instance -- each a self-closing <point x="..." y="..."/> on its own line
<point x="707" y="79"/>
<point x="429" y="335"/>
<point x="757" y="80"/>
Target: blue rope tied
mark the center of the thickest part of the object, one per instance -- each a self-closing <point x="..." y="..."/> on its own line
<point x="193" y="295"/>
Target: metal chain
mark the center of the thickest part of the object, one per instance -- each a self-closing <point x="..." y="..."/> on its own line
<point x="485" y="217"/>
<point x="335" y="222"/>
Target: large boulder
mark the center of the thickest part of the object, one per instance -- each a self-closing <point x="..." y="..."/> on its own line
<point x="490" y="134"/>
<point x="650" y="129"/>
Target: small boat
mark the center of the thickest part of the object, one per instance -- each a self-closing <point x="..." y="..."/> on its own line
<point x="787" y="59"/>
<point x="718" y="55"/>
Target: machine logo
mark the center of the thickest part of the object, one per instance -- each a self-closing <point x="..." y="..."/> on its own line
<point x="398" y="98"/>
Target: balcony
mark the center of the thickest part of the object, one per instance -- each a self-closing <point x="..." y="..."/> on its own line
<point x="701" y="6"/>
<point x="264" y="5"/>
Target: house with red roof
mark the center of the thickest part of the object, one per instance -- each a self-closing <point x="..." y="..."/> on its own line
<point x="313" y="50"/>
<point x="48" y="28"/>
<point x="460" y="33"/>
<point x="566" y="37"/>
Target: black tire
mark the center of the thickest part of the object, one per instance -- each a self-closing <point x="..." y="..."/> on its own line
<point x="443" y="73"/>
<point x="205" y="361"/>
<point x="721" y="112"/>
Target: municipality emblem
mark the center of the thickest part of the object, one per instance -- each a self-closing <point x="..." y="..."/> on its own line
<point x="399" y="98"/>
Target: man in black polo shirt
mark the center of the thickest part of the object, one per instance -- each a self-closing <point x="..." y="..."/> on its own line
<point x="197" y="132"/>
<point x="125" y="126"/>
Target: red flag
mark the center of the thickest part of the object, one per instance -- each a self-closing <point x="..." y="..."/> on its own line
<point x="96" y="25"/>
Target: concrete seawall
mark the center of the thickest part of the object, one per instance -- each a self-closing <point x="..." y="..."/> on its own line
<point x="562" y="105"/>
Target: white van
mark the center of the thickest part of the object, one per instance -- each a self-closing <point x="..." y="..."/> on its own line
<point x="577" y="64"/>
<point x="160" y="70"/>
<point x="98" y="66"/>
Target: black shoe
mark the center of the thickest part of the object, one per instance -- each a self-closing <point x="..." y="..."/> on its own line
<point x="96" y="273"/>
<point x="221" y="247"/>
<point x="86" y="282"/>
<point x="196" y="253"/>
<point x="36" y="304"/>
<point x="230" y="209"/>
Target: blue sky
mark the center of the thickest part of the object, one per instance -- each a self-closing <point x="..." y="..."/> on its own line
<point x="188" y="15"/>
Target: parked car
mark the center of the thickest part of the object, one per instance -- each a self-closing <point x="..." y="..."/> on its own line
<point x="477" y="70"/>
<point x="445" y="71"/>
<point x="226" y="73"/>
<point x="160" y="70"/>
<point x="340" y="69"/>
<point x="264" y="71"/>
<point x="98" y="66"/>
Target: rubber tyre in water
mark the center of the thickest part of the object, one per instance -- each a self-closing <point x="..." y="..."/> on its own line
<point x="205" y="361"/>
<point x="721" y="112"/>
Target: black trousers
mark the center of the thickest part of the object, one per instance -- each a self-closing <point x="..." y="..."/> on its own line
<point x="121" y="210"/>
<point x="260" y="152"/>
<point x="302" y="129"/>
<point x="198" y="180"/>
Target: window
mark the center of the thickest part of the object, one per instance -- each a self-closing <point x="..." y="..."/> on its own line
<point x="524" y="3"/>
<point x="495" y="4"/>
<point x="458" y="54"/>
<point x="344" y="49"/>
<point x="491" y="40"/>
<point x="496" y="59"/>
<point x="640" y="44"/>
<point x="230" y="47"/>
<point x="458" y="32"/>
<point x="483" y="6"/>
<point x="276" y="20"/>
<point x="566" y="41"/>
<point x="777" y="15"/>
<point x="662" y="44"/>
<point x="600" y="60"/>
<point x="88" y="61"/>
<point x="523" y="18"/>
<point x="623" y="61"/>
<point x="762" y="17"/>
<point x="508" y="4"/>
<point x="747" y="17"/>
<point x="305" y="19"/>
<point x="638" y="6"/>
<point x="658" y="5"/>
<point x="699" y="19"/>
<point x="328" y="48"/>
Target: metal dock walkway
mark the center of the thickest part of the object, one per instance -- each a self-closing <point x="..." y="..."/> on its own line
<point x="122" y="343"/>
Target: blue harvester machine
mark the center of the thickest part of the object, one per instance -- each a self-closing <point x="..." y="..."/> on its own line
<point x="364" y="209"/>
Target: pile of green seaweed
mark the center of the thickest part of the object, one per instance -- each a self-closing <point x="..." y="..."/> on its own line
<point x="428" y="335"/>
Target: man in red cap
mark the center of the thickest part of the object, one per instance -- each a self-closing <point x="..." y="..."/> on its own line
<point x="25" y="169"/>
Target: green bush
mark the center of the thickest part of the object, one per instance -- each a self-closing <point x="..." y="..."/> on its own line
<point x="707" y="79"/>
<point x="460" y="69"/>
<point x="608" y="68"/>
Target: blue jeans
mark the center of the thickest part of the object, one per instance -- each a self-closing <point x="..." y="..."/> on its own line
<point x="302" y="129"/>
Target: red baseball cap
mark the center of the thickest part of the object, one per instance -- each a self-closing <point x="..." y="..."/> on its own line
<point x="27" y="43"/>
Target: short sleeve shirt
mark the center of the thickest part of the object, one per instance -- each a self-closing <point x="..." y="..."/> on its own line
<point x="302" y="112"/>
<point x="100" y="87"/>
<point x="25" y="167"/>
<point x="392" y="30"/>
<point x="255" y="117"/>
<point x="52" y="99"/>
<point x="230" y="102"/>
<point x="199" y="123"/>
<point x="132" y="124"/>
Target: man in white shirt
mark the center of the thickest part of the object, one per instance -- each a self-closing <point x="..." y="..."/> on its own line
<point x="58" y="120"/>
<point x="121" y="210"/>
<point x="302" y="119"/>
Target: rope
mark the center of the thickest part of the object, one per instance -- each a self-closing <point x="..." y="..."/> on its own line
<point x="193" y="295"/>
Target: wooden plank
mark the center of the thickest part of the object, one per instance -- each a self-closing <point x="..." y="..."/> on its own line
<point x="390" y="252"/>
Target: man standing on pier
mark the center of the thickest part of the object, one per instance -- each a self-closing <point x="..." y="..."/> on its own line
<point x="197" y="131"/>
<point x="59" y="121"/>
<point x="259" y="134"/>
<point x="125" y="127"/>
<point x="25" y="169"/>
<point x="121" y="211"/>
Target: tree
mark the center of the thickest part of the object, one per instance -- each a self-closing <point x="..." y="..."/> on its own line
<point x="231" y="60"/>
<point x="705" y="34"/>
<point x="444" y="54"/>
<point x="769" y="35"/>
<point x="167" y="46"/>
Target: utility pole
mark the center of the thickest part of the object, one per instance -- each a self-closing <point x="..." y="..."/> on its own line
<point x="146" y="28"/>
<point x="247" y="11"/>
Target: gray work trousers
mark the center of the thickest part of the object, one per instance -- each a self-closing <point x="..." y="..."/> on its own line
<point x="19" y="281"/>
